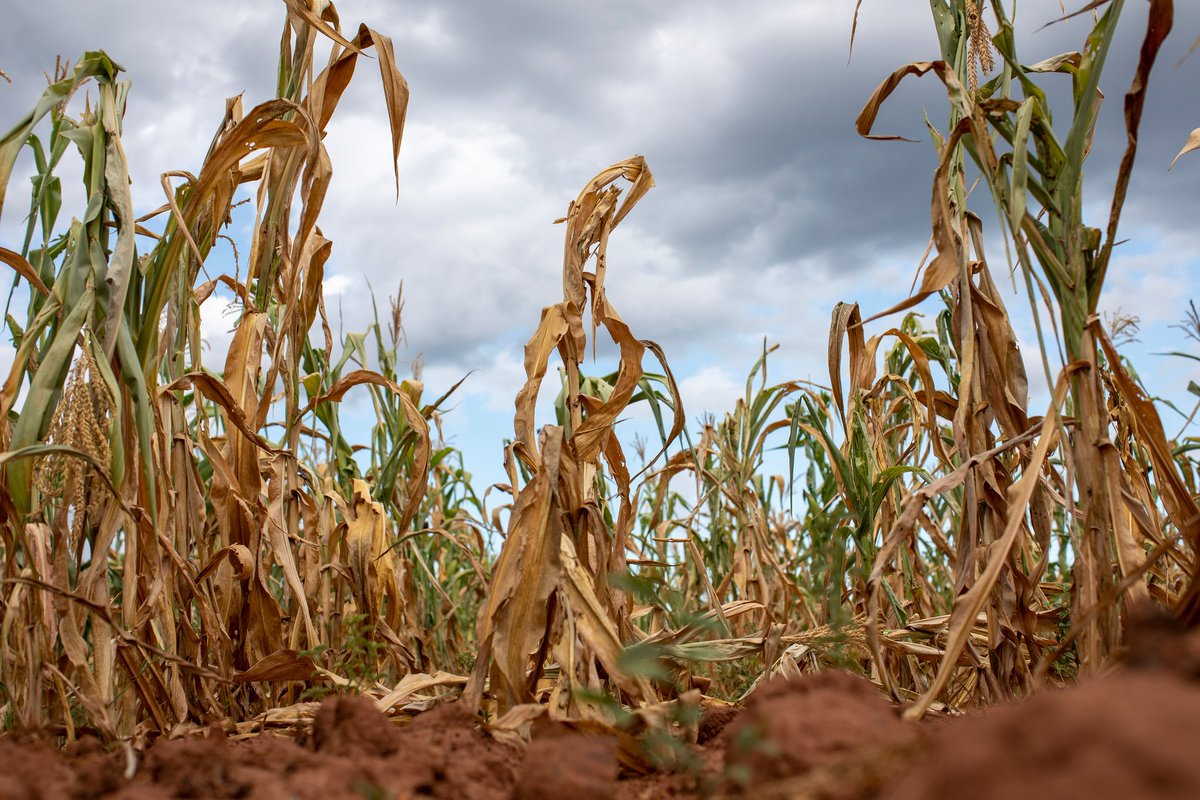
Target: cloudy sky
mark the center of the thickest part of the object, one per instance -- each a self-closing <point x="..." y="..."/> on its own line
<point x="768" y="209"/>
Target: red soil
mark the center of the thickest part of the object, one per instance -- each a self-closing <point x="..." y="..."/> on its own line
<point x="792" y="727"/>
<point x="353" y="753"/>
<point x="832" y="735"/>
<point x="1127" y="736"/>
<point x="568" y="765"/>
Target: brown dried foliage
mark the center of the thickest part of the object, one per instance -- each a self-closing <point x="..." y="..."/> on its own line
<point x="182" y="544"/>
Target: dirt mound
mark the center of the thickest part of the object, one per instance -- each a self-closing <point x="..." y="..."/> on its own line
<point x="713" y="721"/>
<point x="1126" y="736"/>
<point x="705" y="778"/>
<point x="830" y="735"/>
<point x="1154" y="640"/>
<point x="199" y="767"/>
<point x="353" y="752"/>
<point x="792" y="726"/>
<point x="464" y="762"/>
<point x="346" y="726"/>
<point x="569" y="765"/>
<point x="34" y="770"/>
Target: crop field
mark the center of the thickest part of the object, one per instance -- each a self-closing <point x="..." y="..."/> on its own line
<point x="208" y="588"/>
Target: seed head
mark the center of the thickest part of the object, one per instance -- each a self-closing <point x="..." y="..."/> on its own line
<point x="81" y="422"/>
<point x="979" y="49"/>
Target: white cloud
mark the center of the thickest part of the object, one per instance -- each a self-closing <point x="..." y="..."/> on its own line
<point x="493" y="386"/>
<point x="335" y="285"/>
<point x="768" y="208"/>
<point x="710" y="391"/>
<point x="1154" y="284"/>
<point x="218" y="318"/>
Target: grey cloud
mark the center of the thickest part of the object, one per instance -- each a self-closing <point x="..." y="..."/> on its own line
<point x="745" y="115"/>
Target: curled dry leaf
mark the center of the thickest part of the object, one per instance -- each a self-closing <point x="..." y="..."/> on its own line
<point x="1193" y="143"/>
<point x="282" y="665"/>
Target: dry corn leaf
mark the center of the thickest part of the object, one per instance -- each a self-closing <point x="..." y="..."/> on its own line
<point x="282" y="665"/>
<point x="1193" y="143"/>
<point x="395" y="91"/>
<point x="23" y="268"/>
<point x="513" y="621"/>
<point x="420" y="469"/>
<point x="594" y="624"/>
<point x="967" y="606"/>
<point x="302" y="9"/>
<point x="551" y="330"/>
<point x="414" y="683"/>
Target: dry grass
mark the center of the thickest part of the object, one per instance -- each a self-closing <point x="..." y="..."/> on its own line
<point x="185" y="541"/>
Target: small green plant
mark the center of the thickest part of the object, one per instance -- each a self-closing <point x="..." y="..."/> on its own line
<point x="1066" y="666"/>
<point x="664" y="743"/>
<point x="666" y="750"/>
<point x="734" y="679"/>
<point x="368" y="791"/>
<point x="357" y="660"/>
